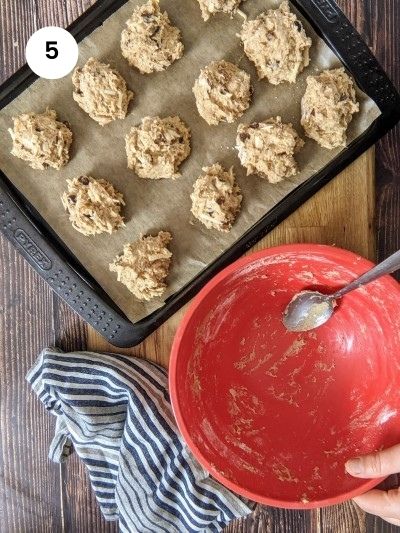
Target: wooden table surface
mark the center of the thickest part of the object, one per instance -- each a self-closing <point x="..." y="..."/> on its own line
<point x="354" y="211"/>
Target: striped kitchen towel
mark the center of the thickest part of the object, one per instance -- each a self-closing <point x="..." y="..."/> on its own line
<point x="116" y="413"/>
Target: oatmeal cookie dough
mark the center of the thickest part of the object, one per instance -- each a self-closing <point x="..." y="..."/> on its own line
<point x="94" y="205"/>
<point x="268" y="148"/>
<point x="210" y="7"/>
<point x="144" y="265"/>
<point x="101" y="91"/>
<point x="216" y="198"/>
<point x="328" y="106"/>
<point x="156" y="148"/>
<point x="277" y="44"/>
<point x="150" y="42"/>
<point x="222" y="92"/>
<point x="41" y="140"/>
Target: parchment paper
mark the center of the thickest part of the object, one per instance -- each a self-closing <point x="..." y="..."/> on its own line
<point x="165" y="204"/>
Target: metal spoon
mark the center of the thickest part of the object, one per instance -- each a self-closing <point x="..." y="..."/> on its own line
<point x="310" y="309"/>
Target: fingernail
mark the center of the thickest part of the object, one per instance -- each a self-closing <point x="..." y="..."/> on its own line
<point x="353" y="466"/>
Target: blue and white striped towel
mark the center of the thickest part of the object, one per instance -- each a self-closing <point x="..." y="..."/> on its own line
<point x="115" y="412"/>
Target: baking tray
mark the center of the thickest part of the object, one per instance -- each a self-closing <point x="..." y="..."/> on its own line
<point x="36" y="241"/>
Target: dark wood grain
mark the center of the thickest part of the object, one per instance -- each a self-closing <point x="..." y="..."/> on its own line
<point x="29" y="484"/>
<point x="380" y="23"/>
<point x="271" y="520"/>
<point x="38" y="496"/>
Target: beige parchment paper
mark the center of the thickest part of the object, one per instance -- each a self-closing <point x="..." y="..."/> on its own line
<point x="165" y="204"/>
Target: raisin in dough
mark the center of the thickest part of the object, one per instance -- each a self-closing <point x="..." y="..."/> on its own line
<point x="41" y="140"/>
<point x="328" y="106"/>
<point x="277" y="44"/>
<point x="157" y="147"/>
<point x="101" y="91"/>
<point x="268" y="148"/>
<point x="150" y="42"/>
<point x="216" y="198"/>
<point x="94" y="205"/>
<point x="222" y="92"/>
<point x="144" y="265"/>
<point x="210" y="7"/>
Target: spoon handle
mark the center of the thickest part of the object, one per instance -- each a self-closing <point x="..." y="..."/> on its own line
<point x="389" y="265"/>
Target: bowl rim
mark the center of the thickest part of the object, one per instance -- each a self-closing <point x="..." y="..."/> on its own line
<point x="322" y="249"/>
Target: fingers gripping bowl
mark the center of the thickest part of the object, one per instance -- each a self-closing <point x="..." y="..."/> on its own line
<point x="274" y="415"/>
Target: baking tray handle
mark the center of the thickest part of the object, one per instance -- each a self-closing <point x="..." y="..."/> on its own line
<point x="51" y="265"/>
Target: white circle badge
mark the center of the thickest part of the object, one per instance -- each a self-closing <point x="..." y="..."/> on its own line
<point x="52" y="52"/>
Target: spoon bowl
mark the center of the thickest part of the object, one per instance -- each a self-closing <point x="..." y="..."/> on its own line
<point x="308" y="310"/>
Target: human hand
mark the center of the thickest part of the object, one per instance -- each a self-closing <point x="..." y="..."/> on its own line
<point x="385" y="504"/>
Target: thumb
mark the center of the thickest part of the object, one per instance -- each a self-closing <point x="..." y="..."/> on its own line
<point x="380" y="503"/>
<point x="375" y="465"/>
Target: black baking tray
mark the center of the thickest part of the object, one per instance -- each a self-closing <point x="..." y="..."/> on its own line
<point x="45" y="252"/>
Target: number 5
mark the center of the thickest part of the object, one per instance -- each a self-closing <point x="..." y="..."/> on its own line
<point x="51" y="50"/>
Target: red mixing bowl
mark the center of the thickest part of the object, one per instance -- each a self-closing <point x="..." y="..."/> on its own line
<point x="275" y="415"/>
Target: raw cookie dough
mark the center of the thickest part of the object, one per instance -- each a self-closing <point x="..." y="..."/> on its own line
<point x="144" y="265"/>
<point x="94" y="205"/>
<point x="101" y="91"/>
<point x="267" y="149"/>
<point x="150" y="42"/>
<point x="216" y="198"/>
<point x="210" y="7"/>
<point x="222" y="92"/>
<point x="157" y="147"/>
<point x="328" y="106"/>
<point x="277" y="44"/>
<point x="41" y="140"/>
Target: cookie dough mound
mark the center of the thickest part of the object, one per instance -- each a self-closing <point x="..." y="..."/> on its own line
<point x="144" y="265"/>
<point x="101" y="91"/>
<point x="210" y="7"/>
<point x="328" y="106"/>
<point x="41" y="140"/>
<point x="277" y="44"/>
<point x="216" y="198"/>
<point x="267" y="149"/>
<point x="150" y="42"/>
<point x="94" y="205"/>
<point x="157" y="147"/>
<point x="222" y="92"/>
